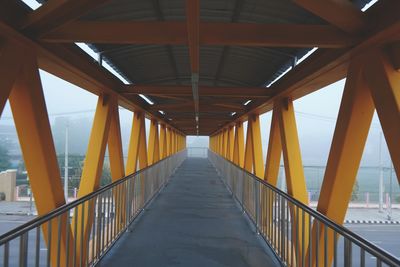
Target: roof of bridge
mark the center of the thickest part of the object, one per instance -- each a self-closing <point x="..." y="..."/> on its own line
<point x="201" y="61"/>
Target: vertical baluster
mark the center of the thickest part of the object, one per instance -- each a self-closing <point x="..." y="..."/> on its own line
<point x="347" y="253"/>
<point x="334" y="249"/>
<point x="23" y="249"/>
<point x="303" y="249"/>
<point x="49" y="243"/>
<point x="83" y="234"/>
<point x="37" y="247"/>
<point x="362" y="257"/>
<point x="316" y="242"/>
<point x="6" y="254"/>
<point x="58" y="239"/>
<point x="325" y="246"/>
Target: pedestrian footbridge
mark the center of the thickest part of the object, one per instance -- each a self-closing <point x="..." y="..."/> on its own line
<point x="206" y="68"/>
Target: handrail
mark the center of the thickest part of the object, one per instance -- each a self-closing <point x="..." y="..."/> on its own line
<point x="100" y="216"/>
<point x="371" y="248"/>
<point x="54" y="213"/>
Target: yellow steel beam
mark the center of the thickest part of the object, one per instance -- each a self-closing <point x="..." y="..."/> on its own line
<point x="137" y="145"/>
<point x="274" y="151"/>
<point x="238" y="150"/>
<point x="36" y="141"/>
<point x="92" y="170"/>
<point x="341" y="13"/>
<point x="90" y="180"/>
<point x="153" y="147"/>
<point x="296" y="183"/>
<point x="295" y="179"/>
<point x="353" y="122"/>
<point x="115" y="144"/>
<point x="11" y="57"/>
<point x="253" y="153"/>
<point x="116" y="160"/>
<point x="163" y="141"/>
<point x="172" y="142"/>
<point x="168" y="137"/>
<point x="231" y="142"/>
<point x="384" y="83"/>
<point x="224" y="142"/>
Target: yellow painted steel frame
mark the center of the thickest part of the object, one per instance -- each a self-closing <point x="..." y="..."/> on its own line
<point x="36" y="141"/>
<point x="274" y="151"/>
<point x="168" y="136"/>
<point x="295" y="179"/>
<point x="163" y="141"/>
<point x="137" y="145"/>
<point x="115" y="144"/>
<point x="253" y="161"/>
<point x="384" y="82"/>
<point x="238" y="149"/>
<point x="92" y="169"/>
<point x="371" y="82"/>
<point x="230" y="143"/>
<point x="116" y="159"/>
<point x="153" y="148"/>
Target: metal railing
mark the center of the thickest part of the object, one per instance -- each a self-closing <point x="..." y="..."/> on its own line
<point x="81" y="232"/>
<point x="299" y="235"/>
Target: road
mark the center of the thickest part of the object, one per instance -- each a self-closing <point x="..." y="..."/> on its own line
<point x="384" y="236"/>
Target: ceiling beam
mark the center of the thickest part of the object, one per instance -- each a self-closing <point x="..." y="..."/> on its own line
<point x="55" y="13"/>
<point x="340" y="13"/>
<point x="182" y="90"/>
<point x="210" y="33"/>
<point x="193" y="31"/>
<point x="325" y="67"/>
<point x="71" y="64"/>
<point x="188" y="107"/>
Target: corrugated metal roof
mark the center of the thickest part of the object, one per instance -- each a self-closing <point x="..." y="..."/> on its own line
<point x="219" y="65"/>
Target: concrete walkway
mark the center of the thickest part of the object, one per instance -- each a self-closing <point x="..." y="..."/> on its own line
<point x="193" y="222"/>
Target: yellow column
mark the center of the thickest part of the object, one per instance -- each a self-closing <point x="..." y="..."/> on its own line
<point x="36" y="141"/>
<point x="137" y="145"/>
<point x="253" y="153"/>
<point x="153" y="149"/>
<point x="296" y="183"/>
<point x="352" y="126"/>
<point x="384" y="82"/>
<point x="92" y="169"/>
<point x="230" y="143"/>
<point x="274" y="151"/>
<point x="168" y="134"/>
<point x="295" y="179"/>
<point x="163" y="141"/>
<point x="115" y="144"/>
<point x="116" y="159"/>
<point x="238" y="150"/>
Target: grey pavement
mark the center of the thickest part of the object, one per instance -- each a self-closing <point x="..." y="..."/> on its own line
<point x="193" y="222"/>
<point x="368" y="215"/>
<point x="17" y="208"/>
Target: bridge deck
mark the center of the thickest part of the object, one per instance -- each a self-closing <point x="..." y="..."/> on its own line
<point x="193" y="222"/>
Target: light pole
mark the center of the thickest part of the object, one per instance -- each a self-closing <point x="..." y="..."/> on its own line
<point x="390" y="193"/>
<point x="66" y="165"/>
<point x="380" y="174"/>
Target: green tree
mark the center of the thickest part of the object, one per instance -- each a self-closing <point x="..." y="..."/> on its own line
<point x="4" y="159"/>
<point x="105" y="175"/>
<point x="354" y="193"/>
